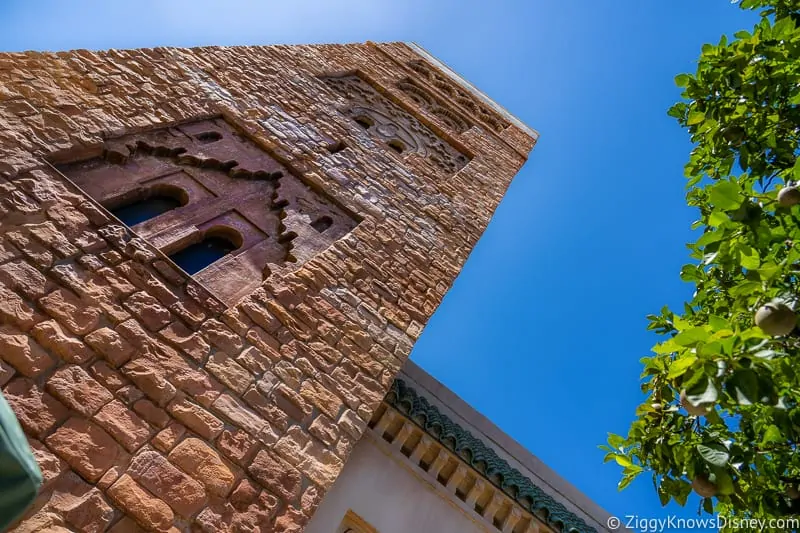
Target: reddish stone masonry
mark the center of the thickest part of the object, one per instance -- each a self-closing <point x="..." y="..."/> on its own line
<point x="227" y="188"/>
<point x="161" y="402"/>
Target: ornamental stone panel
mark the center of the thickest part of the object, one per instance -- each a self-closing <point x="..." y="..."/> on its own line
<point x="159" y="398"/>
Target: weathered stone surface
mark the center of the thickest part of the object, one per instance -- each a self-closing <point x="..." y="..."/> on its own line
<point x="279" y="381"/>
<point x="152" y="413"/>
<point x="309" y="456"/>
<point x="149" y="310"/>
<point x="196" y="418"/>
<point x="182" y="493"/>
<point x="23" y="353"/>
<point x="147" y="510"/>
<point x="51" y="336"/>
<point x="50" y="465"/>
<point x="124" y="425"/>
<point x="70" y="311"/>
<point x="21" y="276"/>
<point x="14" y="311"/>
<point x="88" y="449"/>
<point x="204" y="464"/>
<point x="151" y="380"/>
<point x="276" y="475"/>
<point x="237" y="445"/>
<point x="169" y="437"/>
<point x="110" y="345"/>
<point x="78" y="390"/>
<point x="229" y="372"/>
<point x="36" y="410"/>
<point x="234" y="411"/>
<point x="249" y="509"/>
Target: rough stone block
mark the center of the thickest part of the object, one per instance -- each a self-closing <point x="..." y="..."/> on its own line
<point x="204" y="464"/>
<point x="145" y="508"/>
<point x="182" y="493"/>
<point x="23" y="353"/>
<point x="276" y="475"/>
<point x="78" y="390"/>
<point x="108" y="343"/>
<point x="88" y="449"/>
<point x="36" y="410"/>
<point x="124" y="425"/>
<point x="196" y="418"/>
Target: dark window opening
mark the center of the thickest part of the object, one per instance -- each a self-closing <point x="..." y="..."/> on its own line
<point x="364" y="122"/>
<point x="322" y="223"/>
<point x="150" y="204"/>
<point x="208" y="137"/>
<point x="397" y="146"/>
<point x="199" y="255"/>
<point x="336" y="147"/>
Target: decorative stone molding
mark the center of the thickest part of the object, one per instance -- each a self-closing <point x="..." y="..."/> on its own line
<point x="402" y="132"/>
<point x="433" y="105"/>
<point x="230" y="187"/>
<point x="469" y="103"/>
<point x="494" y="489"/>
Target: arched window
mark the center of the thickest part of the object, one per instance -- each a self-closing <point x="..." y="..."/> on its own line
<point x="216" y="244"/>
<point x="150" y="203"/>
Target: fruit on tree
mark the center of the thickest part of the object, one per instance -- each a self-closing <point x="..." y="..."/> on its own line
<point x="776" y="319"/>
<point x="694" y="410"/>
<point x="703" y="486"/>
<point x="789" y="196"/>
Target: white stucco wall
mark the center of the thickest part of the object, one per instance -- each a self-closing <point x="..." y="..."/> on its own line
<point x="390" y="497"/>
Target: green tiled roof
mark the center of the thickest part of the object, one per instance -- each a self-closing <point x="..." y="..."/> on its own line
<point x="483" y="459"/>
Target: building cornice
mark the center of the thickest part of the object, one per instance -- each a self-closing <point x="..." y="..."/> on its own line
<point x="482" y="458"/>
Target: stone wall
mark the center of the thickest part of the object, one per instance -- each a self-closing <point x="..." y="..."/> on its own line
<point x="148" y="402"/>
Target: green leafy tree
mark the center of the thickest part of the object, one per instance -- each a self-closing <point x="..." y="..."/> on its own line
<point x="722" y="416"/>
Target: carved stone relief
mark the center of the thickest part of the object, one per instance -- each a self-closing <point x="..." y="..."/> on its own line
<point x="468" y="102"/>
<point x="433" y="106"/>
<point x="401" y="131"/>
<point x="226" y="187"/>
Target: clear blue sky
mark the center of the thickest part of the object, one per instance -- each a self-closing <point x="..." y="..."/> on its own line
<point x="544" y="329"/>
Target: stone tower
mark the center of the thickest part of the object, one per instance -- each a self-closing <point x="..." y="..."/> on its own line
<point x="214" y="261"/>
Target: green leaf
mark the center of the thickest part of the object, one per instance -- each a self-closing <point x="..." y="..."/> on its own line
<point x="710" y="237"/>
<point x="666" y="347"/>
<point x="718" y="323"/>
<point x="616" y="442"/>
<point x="726" y="195"/>
<point x="622" y="460"/>
<point x="772" y="435"/>
<point x="681" y="365"/>
<point x="744" y="383"/>
<point x="724" y="481"/>
<point x="682" y="80"/>
<point x="748" y="257"/>
<point x="691" y="336"/>
<point x="714" y="454"/>
<point x="740" y="109"/>
<point x="626" y="480"/>
<point x="695" y="117"/>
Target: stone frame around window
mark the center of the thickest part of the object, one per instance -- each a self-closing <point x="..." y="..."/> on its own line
<point x="230" y="188"/>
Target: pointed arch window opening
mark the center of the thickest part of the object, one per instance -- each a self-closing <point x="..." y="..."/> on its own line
<point x="215" y="244"/>
<point x="148" y="204"/>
